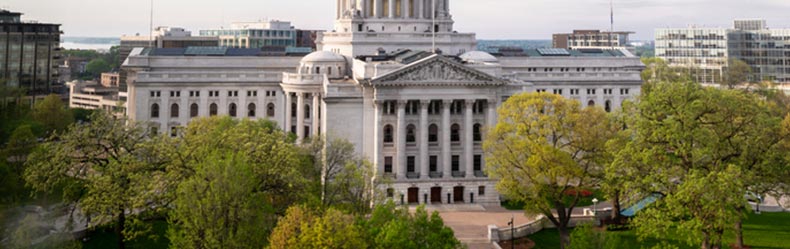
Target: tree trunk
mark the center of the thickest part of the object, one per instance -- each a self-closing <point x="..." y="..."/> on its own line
<point x="119" y="229"/>
<point x="705" y="240"/>
<point x="565" y="237"/>
<point x="739" y="234"/>
<point x="616" y="216"/>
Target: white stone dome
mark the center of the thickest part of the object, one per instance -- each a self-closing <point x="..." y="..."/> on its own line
<point x="323" y="56"/>
<point x="479" y="57"/>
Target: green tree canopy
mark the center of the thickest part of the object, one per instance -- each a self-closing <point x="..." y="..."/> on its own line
<point x="699" y="147"/>
<point x="543" y="146"/>
<point x="98" y="66"/>
<point x="104" y="166"/>
<point x="53" y="114"/>
<point x="272" y="180"/>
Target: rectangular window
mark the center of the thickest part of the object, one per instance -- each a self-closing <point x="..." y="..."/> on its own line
<point x="434" y="163"/>
<point x="558" y="91"/>
<point x="456" y="163"/>
<point x="252" y="93"/>
<point x="541" y="90"/>
<point x="175" y="94"/>
<point x="478" y="163"/>
<point x="156" y="94"/>
<point x="390" y="193"/>
<point x="388" y="165"/>
<point x="591" y="91"/>
<point x="410" y="164"/>
<point x="625" y="91"/>
<point x="481" y="190"/>
<point x="574" y="91"/>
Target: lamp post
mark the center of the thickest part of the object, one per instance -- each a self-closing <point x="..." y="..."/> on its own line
<point x="512" y="232"/>
<point x="425" y="197"/>
<point x="471" y="196"/>
<point x="595" y="206"/>
<point x="402" y="194"/>
<point x="448" y="197"/>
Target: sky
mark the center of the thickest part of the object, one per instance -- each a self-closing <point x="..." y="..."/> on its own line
<point x="490" y="19"/>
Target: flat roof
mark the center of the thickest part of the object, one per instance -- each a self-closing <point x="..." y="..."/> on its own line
<point x="219" y="51"/>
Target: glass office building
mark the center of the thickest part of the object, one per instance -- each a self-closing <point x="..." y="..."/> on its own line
<point x="28" y="54"/>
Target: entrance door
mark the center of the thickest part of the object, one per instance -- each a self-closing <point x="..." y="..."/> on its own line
<point x="414" y="195"/>
<point x="458" y="194"/>
<point x="436" y="195"/>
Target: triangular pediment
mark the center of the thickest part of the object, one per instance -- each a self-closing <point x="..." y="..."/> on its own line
<point x="436" y="70"/>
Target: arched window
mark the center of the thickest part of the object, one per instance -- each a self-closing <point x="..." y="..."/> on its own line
<point x="455" y="133"/>
<point x="410" y="134"/>
<point x="317" y="70"/>
<point x="306" y="111"/>
<point x="433" y="133"/>
<point x="388" y="134"/>
<point x="608" y="106"/>
<point x="591" y="103"/>
<point x="251" y="110"/>
<point x="155" y="111"/>
<point x="174" y="111"/>
<point x="477" y="135"/>
<point x="213" y="109"/>
<point x="270" y="110"/>
<point x="232" y="109"/>
<point x="193" y="110"/>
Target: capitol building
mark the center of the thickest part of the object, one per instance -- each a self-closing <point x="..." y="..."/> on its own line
<point x="408" y="90"/>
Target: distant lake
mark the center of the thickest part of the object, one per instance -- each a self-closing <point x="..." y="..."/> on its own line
<point x="89" y="43"/>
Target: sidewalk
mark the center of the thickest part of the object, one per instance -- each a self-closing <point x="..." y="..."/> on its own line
<point x="470" y="223"/>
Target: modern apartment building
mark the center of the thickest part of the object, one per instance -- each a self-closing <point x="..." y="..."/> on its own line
<point x="255" y="34"/>
<point x="29" y="54"/>
<point x="707" y="51"/>
<point x="592" y="39"/>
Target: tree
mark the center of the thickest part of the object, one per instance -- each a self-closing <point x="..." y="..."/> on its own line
<point x="219" y="206"/>
<point x="543" y="146"/>
<point x="275" y="179"/>
<point x="333" y="230"/>
<point x="289" y="227"/>
<point x="53" y="114"/>
<point x="97" y="66"/>
<point x="13" y="157"/>
<point x="736" y="73"/>
<point x="103" y="166"/>
<point x="346" y="178"/>
<point x="699" y="148"/>
<point x="419" y="230"/>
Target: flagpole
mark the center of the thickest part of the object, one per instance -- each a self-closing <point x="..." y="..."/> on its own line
<point x="611" y="23"/>
<point x="433" y="27"/>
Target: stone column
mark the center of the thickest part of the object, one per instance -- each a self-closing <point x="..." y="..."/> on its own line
<point x="424" y="161"/>
<point x="446" y="157"/>
<point x="316" y="113"/>
<point x="363" y="6"/>
<point x="391" y="9"/>
<point x="469" y="138"/>
<point x="300" y="116"/>
<point x="378" y="8"/>
<point x="288" y="118"/>
<point x="420" y="11"/>
<point x="491" y="114"/>
<point x="404" y="9"/>
<point x="401" y="140"/>
<point x="378" y="135"/>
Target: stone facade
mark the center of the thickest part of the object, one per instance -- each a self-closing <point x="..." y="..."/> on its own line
<point x="419" y="116"/>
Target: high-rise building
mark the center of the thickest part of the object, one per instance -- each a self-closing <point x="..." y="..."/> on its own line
<point x="708" y="51"/>
<point x="29" y="54"/>
<point x="592" y="39"/>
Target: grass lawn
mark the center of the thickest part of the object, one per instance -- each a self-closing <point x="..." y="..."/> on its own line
<point x="767" y="230"/>
<point x="105" y="238"/>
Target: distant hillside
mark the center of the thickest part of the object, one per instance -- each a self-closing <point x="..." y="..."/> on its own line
<point x="490" y="45"/>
